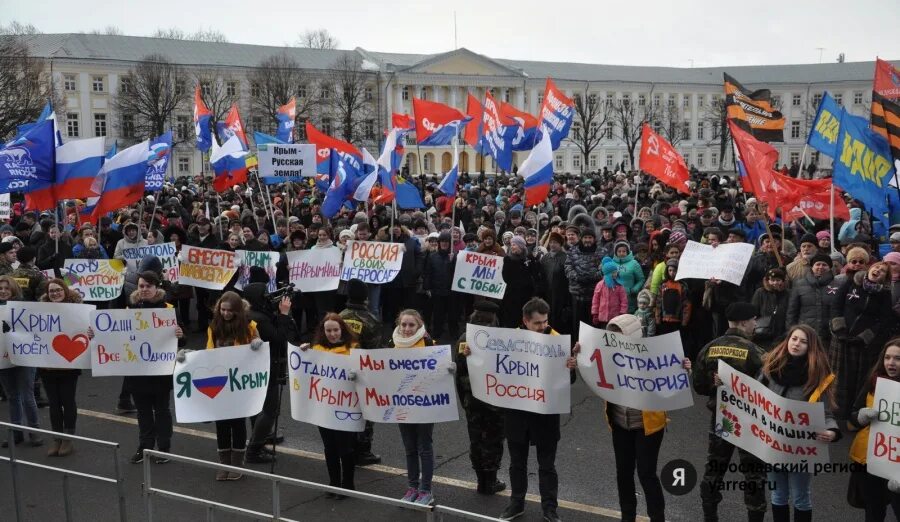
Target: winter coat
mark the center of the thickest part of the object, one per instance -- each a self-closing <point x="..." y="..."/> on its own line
<point x="673" y="303"/>
<point x="48" y="259"/>
<point x="632" y="278"/>
<point x="608" y="303"/>
<point x="810" y="303"/>
<point x="438" y="273"/>
<point x="520" y="274"/>
<point x="555" y="289"/>
<point x="273" y="327"/>
<point x="151" y="384"/>
<point x="769" y="303"/>
<point x="583" y="270"/>
<point x="797" y="393"/>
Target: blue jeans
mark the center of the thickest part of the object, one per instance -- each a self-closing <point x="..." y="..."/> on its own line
<point x="418" y="446"/>
<point x="375" y="301"/>
<point x="18" y="382"/>
<point x="791" y="485"/>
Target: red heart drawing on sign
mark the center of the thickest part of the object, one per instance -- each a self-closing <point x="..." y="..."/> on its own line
<point x="70" y="348"/>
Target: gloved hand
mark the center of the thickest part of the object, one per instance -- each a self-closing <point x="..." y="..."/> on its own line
<point x="452" y="368"/>
<point x="866" y="416"/>
<point x="256" y="344"/>
<point x="351" y="375"/>
<point x="894" y="485"/>
<point x="181" y="355"/>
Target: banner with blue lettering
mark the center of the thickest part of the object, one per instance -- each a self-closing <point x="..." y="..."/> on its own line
<point x="322" y="393"/>
<point x="220" y="384"/>
<point x="135" y="341"/>
<point x="637" y="372"/>
<point x="557" y="113"/>
<point x="48" y="335"/>
<point x="863" y="166"/>
<point x="824" y="134"/>
<point x="406" y="385"/>
<point x="160" y="152"/>
<point x="519" y="369"/>
<point x="499" y="133"/>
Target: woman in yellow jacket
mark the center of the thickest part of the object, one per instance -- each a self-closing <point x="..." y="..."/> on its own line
<point x="877" y="492"/>
<point x="637" y="437"/>
<point x="231" y="326"/>
<point x="333" y="335"/>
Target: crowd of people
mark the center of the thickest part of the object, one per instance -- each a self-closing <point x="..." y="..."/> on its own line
<point x="816" y="316"/>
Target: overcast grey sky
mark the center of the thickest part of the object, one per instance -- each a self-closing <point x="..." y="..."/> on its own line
<point x="648" y="32"/>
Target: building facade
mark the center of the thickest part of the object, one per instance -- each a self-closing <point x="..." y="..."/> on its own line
<point x="89" y="72"/>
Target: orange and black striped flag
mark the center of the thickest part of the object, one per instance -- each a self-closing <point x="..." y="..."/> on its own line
<point x="886" y="121"/>
<point x="753" y="111"/>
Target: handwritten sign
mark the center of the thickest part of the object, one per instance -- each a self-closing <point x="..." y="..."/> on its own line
<point x="322" y="393"/>
<point x="727" y="261"/>
<point x="5" y="207"/>
<point x="775" y="429"/>
<point x="316" y="270"/>
<point x="479" y="274"/>
<point x="406" y="385"/>
<point x="519" y="369"/>
<point x="206" y="267"/>
<point x="281" y="162"/>
<point x="247" y="259"/>
<point x="883" y="458"/>
<point x="165" y="252"/>
<point x="640" y="373"/>
<point x="95" y="279"/>
<point x="48" y="335"/>
<point x="133" y="342"/>
<point x="219" y="384"/>
<point x="372" y="261"/>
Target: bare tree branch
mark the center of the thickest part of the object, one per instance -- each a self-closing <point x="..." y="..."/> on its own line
<point x="149" y="96"/>
<point x="25" y="87"/>
<point x="715" y="115"/>
<point x="628" y="118"/>
<point x="352" y="99"/>
<point x="317" y="39"/>
<point x="15" y="28"/>
<point x="108" y="30"/>
<point x="591" y="116"/>
<point x="201" y="35"/>
<point x="273" y="82"/>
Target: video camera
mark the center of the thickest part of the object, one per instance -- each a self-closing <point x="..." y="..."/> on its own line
<point x="274" y="297"/>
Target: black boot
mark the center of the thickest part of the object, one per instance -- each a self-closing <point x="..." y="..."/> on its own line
<point x="781" y="513"/>
<point x="491" y="484"/>
<point x="256" y="455"/>
<point x="480" y="489"/>
<point x="756" y="516"/>
<point x="802" y="516"/>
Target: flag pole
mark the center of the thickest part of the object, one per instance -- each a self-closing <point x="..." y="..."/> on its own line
<point x="831" y="218"/>
<point x="802" y="161"/>
<point x="219" y="209"/>
<point x="58" y="232"/>
<point x="152" y="214"/>
<point x="455" y="190"/>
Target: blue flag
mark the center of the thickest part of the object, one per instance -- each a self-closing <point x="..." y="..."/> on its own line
<point x="826" y="127"/>
<point x="863" y="165"/>
<point x="265" y="139"/>
<point x="160" y="152"/>
<point x="408" y="196"/>
<point x="28" y="162"/>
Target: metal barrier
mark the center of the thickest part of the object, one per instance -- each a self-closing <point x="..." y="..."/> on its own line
<point x="14" y="463"/>
<point x="431" y="513"/>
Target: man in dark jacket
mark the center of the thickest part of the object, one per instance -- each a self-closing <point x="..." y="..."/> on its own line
<point x="437" y="281"/>
<point x="368" y="332"/>
<point x="555" y="289"/>
<point x="736" y="349"/>
<point x="583" y="272"/>
<point x="277" y="328"/>
<point x="204" y="239"/>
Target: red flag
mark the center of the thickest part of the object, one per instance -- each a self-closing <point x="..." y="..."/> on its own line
<point x="474" y="110"/>
<point x="817" y="205"/>
<point x="756" y="162"/>
<point x="402" y="121"/>
<point x="662" y="161"/>
<point x="887" y="79"/>
<point x="233" y="122"/>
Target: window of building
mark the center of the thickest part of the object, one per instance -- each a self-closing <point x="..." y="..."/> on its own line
<point x="795" y="100"/>
<point x="776" y="101"/>
<point x="716" y="100"/>
<point x="301" y="130"/>
<point x="426" y="163"/>
<point x="99" y="83"/>
<point x="301" y="91"/>
<point x="657" y="125"/>
<point x="576" y="128"/>
<point x="70" y="83"/>
<point x="183" y="128"/>
<point x="701" y="159"/>
<point x="592" y="100"/>
<point x="642" y="100"/>
<point x="577" y="100"/>
<point x="370" y="129"/>
<point x="626" y="100"/>
<point x="326" y="92"/>
<point x="231" y="88"/>
<point x="127" y="125"/>
<point x="507" y="95"/>
<point x="205" y="88"/>
<point x="327" y="127"/>
<point x="701" y="131"/>
<point x="540" y="98"/>
<point x="686" y="101"/>
<point x="558" y="162"/>
<point x="423" y="94"/>
<point x="670" y="101"/>
<point x="857" y="98"/>
<point x="714" y="159"/>
<point x="686" y="130"/>
<point x="576" y="162"/>
<point x="610" y="99"/>
<point x="99" y="125"/>
<point x="125" y="85"/>
<point x="254" y="89"/>
<point x="595" y="128"/>
<point x="179" y="87"/>
<point x="184" y="165"/>
<point x="701" y="100"/>
<point x="839" y="99"/>
<point x="795" y="157"/>
<point x="256" y="123"/>
<point x="592" y="161"/>
<point x="656" y="98"/>
<point x="817" y="99"/>
<point x="405" y="93"/>
<point x="795" y="129"/>
<point x="609" y="160"/>
<point x="609" y="131"/>
<point x="369" y="93"/>
<point x="72" y="129"/>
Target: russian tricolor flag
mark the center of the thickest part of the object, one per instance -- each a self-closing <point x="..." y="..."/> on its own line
<point x="367" y="181"/>
<point x="77" y="164"/>
<point x="121" y="179"/>
<point x="229" y="164"/>
<point x="537" y="170"/>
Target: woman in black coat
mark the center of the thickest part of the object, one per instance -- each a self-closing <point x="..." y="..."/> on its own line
<point x="520" y="272"/>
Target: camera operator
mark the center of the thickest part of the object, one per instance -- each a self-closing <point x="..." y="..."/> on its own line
<point x="275" y="326"/>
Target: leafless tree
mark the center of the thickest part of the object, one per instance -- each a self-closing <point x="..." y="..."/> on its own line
<point x="591" y="116"/>
<point x="317" y="39"/>
<point x="628" y="119"/>
<point x="201" y="35"/>
<point x="670" y="123"/>
<point x="25" y="84"/>
<point x="273" y="82"/>
<point x="111" y="30"/>
<point x="352" y="100"/>
<point x="715" y="116"/>
<point x="150" y="95"/>
<point x="16" y="28"/>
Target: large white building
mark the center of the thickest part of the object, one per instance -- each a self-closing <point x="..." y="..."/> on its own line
<point x="89" y="69"/>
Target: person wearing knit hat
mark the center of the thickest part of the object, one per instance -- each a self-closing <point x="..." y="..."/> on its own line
<point x="645" y="313"/>
<point x="799" y="267"/>
<point x="737" y="350"/>
<point x="610" y="298"/>
<point x="518" y="242"/>
<point x="893" y="260"/>
<point x="895" y="241"/>
<point x="823" y="240"/>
